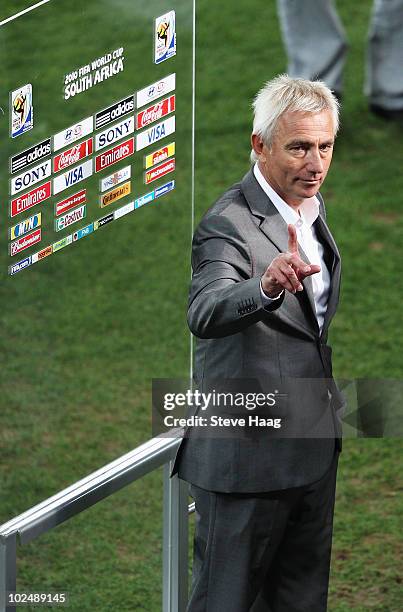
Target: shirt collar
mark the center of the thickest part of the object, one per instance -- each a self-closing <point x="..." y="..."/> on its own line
<point x="309" y="209"/>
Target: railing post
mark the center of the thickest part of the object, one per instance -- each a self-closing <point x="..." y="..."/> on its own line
<point x="8" y="570"/>
<point x="175" y="543"/>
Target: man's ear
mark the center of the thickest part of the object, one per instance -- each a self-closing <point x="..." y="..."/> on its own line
<point x="257" y="146"/>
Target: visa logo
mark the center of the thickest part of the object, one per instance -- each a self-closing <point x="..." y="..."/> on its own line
<point x="155" y="133"/>
<point x="72" y="177"/>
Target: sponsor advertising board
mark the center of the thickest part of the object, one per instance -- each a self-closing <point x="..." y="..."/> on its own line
<point x="123" y="210"/>
<point x="72" y="156"/>
<point x="164" y="189"/>
<point x="29" y="156"/>
<point x="19" y="266"/>
<point x="103" y="221"/>
<point x="156" y="90"/>
<point x="31" y="177"/>
<point x="42" y="254"/>
<point x="74" y="132"/>
<point x="155" y="112"/>
<point x="159" y="155"/>
<point x="159" y="171"/>
<point x="155" y="133"/>
<point x="23" y="227"/>
<point x="24" y="243"/>
<point x="71" y="217"/>
<point x="115" y="194"/>
<point x="60" y="244"/>
<point x="115" y="155"/>
<point x="70" y="202"/>
<point x="144" y="199"/>
<point x="72" y="177"/>
<point x="113" y="112"/>
<point x="83" y="232"/>
<point x="30" y="199"/>
<point x="115" y="179"/>
<point x="97" y="142"/>
<point x="114" y="133"/>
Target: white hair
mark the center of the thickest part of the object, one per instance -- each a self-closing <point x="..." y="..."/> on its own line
<point x="285" y="93"/>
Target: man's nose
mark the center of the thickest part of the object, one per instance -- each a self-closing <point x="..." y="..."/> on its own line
<point x="314" y="161"/>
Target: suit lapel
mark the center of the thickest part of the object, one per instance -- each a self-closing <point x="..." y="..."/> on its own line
<point x="274" y="227"/>
<point x="335" y="272"/>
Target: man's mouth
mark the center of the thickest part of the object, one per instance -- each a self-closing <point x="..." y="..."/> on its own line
<point x="310" y="181"/>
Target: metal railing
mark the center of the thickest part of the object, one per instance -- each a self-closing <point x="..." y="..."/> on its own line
<point x="95" y="487"/>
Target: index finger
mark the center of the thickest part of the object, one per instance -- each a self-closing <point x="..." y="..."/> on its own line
<point x="292" y="239"/>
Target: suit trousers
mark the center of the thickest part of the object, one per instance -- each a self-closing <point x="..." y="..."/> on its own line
<point x="316" y="46"/>
<point x="263" y="552"/>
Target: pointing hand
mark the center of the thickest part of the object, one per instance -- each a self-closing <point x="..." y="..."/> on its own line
<point x="287" y="270"/>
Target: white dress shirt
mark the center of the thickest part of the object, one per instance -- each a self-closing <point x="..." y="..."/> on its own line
<point x="307" y="239"/>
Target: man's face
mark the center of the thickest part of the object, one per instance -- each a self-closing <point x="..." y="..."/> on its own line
<point x="297" y="161"/>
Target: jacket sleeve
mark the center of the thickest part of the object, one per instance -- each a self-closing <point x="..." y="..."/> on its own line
<point x="224" y="295"/>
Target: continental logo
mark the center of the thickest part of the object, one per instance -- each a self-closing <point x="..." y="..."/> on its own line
<point x="71" y="202"/>
<point x="115" y="194"/>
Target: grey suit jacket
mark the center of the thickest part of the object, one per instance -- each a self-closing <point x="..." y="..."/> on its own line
<point x="238" y="338"/>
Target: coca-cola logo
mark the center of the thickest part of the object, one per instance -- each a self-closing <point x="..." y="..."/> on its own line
<point x="72" y="156"/>
<point x="156" y="112"/>
<point x="152" y="114"/>
<point x="69" y="157"/>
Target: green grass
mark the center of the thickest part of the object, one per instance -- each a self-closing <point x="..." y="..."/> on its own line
<point x="109" y="557"/>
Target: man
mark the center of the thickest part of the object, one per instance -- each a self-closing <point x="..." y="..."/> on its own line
<point x="266" y="276"/>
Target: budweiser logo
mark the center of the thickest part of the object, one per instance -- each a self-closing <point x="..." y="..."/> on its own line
<point x="25" y="243"/>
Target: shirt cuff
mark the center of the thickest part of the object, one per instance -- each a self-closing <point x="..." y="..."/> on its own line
<point x="266" y="300"/>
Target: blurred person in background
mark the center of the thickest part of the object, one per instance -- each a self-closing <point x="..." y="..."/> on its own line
<point x="316" y="47"/>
